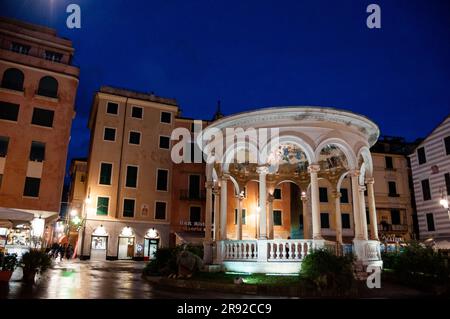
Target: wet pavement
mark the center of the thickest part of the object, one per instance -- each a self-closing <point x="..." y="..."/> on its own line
<point x="97" y="280"/>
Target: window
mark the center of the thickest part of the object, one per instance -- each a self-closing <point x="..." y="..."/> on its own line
<point x="134" y="138"/>
<point x="277" y="218"/>
<point x="344" y="195"/>
<point x="13" y="79"/>
<point x="164" y="142"/>
<point x="136" y="112"/>
<point x="323" y="195"/>
<point x="447" y="145"/>
<point x="37" y="153"/>
<point x="421" y="155"/>
<point x="48" y="86"/>
<point x="395" y="217"/>
<point x="426" y="192"/>
<point x="447" y="180"/>
<point x="102" y="205"/>
<point x="53" y="56"/>
<point x="4" y="142"/>
<point x="105" y="173"/>
<point x="128" y="207"/>
<point x="430" y="222"/>
<point x="194" y="214"/>
<point x="392" y="189"/>
<point x="131" y="178"/>
<point x="389" y="162"/>
<point x="345" y="218"/>
<point x="160" y="210"/>
<point x="109" y="134"/>
<point x="162" y="179"/>
<point x="324" y="220"/>
<point x="31" y="188"/>
<point x="243" y="216"/>
<point x="112" y="108"/>
<point x="20" y="48"/>
<point x="42" y="117"/>
<point x="194" y="187"/>
<point x="166" y="117"/>
<point x="277" y="193"/>
<point x="9" y="111"/>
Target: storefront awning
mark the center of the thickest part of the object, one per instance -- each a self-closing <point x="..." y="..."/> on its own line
<point x="11" y="217"/>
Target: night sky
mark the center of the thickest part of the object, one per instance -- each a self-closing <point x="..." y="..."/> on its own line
<point x="253" y="54"/>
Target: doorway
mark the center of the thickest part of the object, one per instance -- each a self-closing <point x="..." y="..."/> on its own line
<point x="126" y="248"/>
<point x="99" y="246"/>
<point x="150" y="247"/>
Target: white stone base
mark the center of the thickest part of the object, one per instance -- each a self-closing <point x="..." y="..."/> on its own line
<point x="368" y="252"/>
<point x="263" y="267"/>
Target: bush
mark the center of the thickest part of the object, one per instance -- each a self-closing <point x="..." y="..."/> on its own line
<point x="418" y="265"/>
<point x="327" y="271"/>
<point x="35" y="260"/>
<point x="8" y="262"/>
<point x="165" y="261"/>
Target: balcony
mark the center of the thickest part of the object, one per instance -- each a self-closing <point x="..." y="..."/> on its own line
<point x="186" y="194"/>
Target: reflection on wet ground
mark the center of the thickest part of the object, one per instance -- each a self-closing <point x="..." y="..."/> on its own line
<point x="96" y="280"/>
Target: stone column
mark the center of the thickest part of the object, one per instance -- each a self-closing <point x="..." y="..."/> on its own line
<point x="239" y="217"/>
<point x="337" y="213"/>
<point x="356" y="204"/>
<point x="315" y="203"/>
<point x="208" y="210"/>
<point x="207" y="243"/>
<point x="372" y="209"/>
<point x="223" y="207"/>
<point x="363" y="211"/>
<point x="306" y="217"/>
<point x="262" y="171"/>
<point x="270" y="217"/>
<point x="216" y="214"/>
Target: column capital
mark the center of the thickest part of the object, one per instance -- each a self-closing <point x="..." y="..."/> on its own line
<point x="270" y="198"/>
<point x="313" y="168"/>
<point x="354" y="172"/>
<point x="362" y="188"/>
<point x="304" y="197"/>
<point x="209" y="184"/>
<point x="216" y="191"/>
<point x="224" y="176"/>
<point x="262" y="170"/>
<point x="239" y="196"/>
<point x="370" y="180"/>
<point x="335" y="194"/>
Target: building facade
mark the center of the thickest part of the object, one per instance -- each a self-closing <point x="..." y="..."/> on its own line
<point x="430" y="164"/>
<point x="37" y="98"/>
<point x="394" y="193"/>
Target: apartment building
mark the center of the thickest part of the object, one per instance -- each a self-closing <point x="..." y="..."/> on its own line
<point x="37" y="97"/>
<point x="394" y="193"/>
<point x="430" y="164"/>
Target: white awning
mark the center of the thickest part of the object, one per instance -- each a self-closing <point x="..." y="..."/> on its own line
<point x="11" y="217"/>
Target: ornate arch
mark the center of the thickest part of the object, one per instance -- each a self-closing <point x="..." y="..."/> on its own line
<point x="343" y="146"/>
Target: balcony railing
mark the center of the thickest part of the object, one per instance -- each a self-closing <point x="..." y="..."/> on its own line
<point x="186" y="194"/>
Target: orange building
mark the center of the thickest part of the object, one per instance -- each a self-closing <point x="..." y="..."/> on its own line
<point x="37" y="97"/>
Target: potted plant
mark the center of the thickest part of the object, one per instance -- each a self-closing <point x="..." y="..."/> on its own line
<point x="33" y="262"/>
<point x="7" y="265"/>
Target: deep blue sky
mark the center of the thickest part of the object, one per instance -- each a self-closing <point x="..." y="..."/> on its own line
<point x="253" y="54"/>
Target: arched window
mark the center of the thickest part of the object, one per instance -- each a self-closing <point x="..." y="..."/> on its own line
<point x="48" y="86"/>
<point x="13" y="79"/>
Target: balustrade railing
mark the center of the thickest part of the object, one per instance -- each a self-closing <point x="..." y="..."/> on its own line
<point x="288" y="250"/>
<point x="240" y="250"/>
